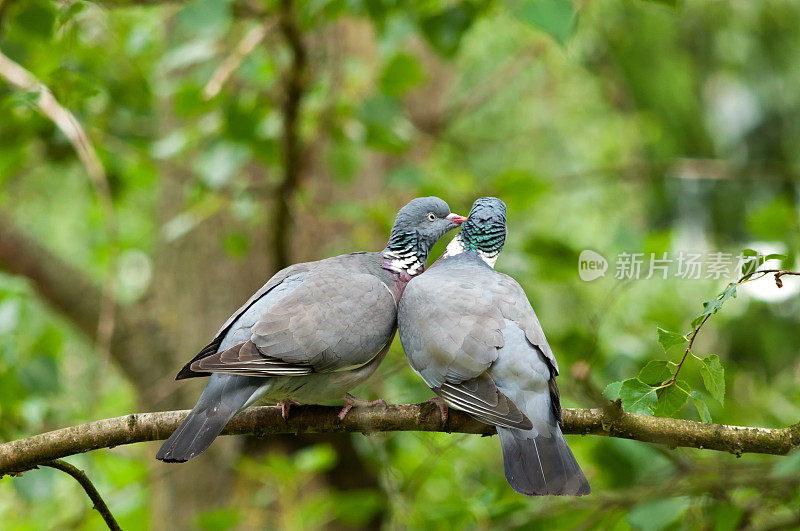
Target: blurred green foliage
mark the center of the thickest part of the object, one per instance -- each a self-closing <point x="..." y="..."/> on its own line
<point x="619" y="127"/>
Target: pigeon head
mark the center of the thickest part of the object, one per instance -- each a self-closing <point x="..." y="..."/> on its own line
<point x="418" y="226"/>
<point x="484" y="232"/>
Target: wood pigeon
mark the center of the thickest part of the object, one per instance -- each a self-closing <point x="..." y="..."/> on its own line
<point x="474" y="338"/>
<point x="313" y="332"/>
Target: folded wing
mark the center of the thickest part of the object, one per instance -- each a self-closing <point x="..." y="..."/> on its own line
<point x="331" y="320"/>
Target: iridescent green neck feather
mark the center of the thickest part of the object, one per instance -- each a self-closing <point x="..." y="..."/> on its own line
<point x="487" y="238"/>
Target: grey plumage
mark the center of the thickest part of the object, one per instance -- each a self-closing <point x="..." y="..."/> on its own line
<point x="474" y="338"/>
<point x="311" y="333"/>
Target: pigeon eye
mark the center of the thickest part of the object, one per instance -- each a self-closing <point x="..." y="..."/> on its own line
<point x="431" y="216"/>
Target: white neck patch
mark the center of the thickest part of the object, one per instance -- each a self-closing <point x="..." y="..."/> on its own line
<point x="407" y="261"/>
<point x="456" y="246"/>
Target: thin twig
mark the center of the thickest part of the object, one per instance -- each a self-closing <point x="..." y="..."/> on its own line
<point x="686" y="352"/>
<point x="17" y="76"/>
<point x="232" y="62"/>
<point x="97" y="501"/>
<point x="777" y="272"/>
<point x="745" y="278"/>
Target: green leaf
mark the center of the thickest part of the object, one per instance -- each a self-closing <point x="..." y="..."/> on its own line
<point x="612" y="390"/>
<point x="37" y="18"/>
<point x="638" y="397"/>
<point x="655" y="373"/>
<point x="702" y="408"/>
<point x="751" y="266"/>
<point x="697" y="320"/>
<point x="775" y="256"/>
<point x="556" y="17"/>
<point x="714" y="305"/>
<point x="444" y="30"/>
<point x="402" y="73"/>
<point x="672" y="398"/>
<point x="668" y="339"/>
<point x="713" y="374"/>
<point x="756" y="260"/>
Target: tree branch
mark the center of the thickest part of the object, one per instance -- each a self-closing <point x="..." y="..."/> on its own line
<point x="294" y="87"/>
<point x="16" y="75"/>
<point x="98" y="503"/>
<point x="23" y="454"/>
<point x="75" y="296"/>
<point x="19" y="77"/>
<point x="234" y="60"/>
<point x="63" y="286"/>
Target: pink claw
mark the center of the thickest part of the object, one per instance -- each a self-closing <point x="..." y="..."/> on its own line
<point x="443" y="409"/>
<point x="350" y="402"/>
<point x="286" y="405"/>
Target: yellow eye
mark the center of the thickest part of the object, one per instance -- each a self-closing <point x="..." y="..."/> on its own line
<point x="431" y="216"/>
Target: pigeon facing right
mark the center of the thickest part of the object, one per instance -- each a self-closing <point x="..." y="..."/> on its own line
<point x="474" y="338"/>
<point x="313" y="332"/>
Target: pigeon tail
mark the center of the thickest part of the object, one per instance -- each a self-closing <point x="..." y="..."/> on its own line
<point x="224" y="396"/>
<point x="541" y="465"/>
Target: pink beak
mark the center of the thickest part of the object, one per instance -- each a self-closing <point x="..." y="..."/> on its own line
<point x="455" y="218"/>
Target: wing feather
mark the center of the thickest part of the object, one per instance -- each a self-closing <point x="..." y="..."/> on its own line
<point x="245" y="358"/>
<point x="481" y="398"/>
<point x="333" y="316"/>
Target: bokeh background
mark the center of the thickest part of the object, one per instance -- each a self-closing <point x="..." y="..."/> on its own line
<point x="234" y="137"/>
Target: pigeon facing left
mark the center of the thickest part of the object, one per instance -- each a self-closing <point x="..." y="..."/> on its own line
<point x="472" y="335"/>
<point x="311" y="333"/>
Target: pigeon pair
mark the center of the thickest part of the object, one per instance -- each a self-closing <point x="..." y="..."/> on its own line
<point x="316" y="330"/>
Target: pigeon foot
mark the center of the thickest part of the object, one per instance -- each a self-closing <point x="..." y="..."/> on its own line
<point x="350" y="402"/>
<point x="443" y="408"/>
<point x="286" y="405"/>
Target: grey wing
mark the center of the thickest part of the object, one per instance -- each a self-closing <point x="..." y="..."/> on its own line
<point x="515" y="306"/>
<point x="329" y="322"/>
<point x="451" y="330"/>
<point x="281" y="283"/>
<point x="524" y="374"/>
<point x="481" y="398"/>
<point x="246" y="360"/>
